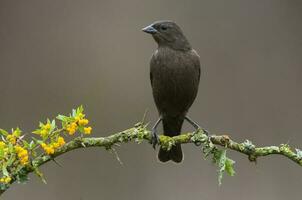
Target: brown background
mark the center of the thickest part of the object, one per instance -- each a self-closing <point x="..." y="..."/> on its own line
<point x="55" y="55"/>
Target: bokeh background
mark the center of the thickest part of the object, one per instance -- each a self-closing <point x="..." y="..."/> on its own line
<point x="58" y="54"/>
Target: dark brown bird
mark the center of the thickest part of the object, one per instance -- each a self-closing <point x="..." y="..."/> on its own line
<point x="174" y="74"/>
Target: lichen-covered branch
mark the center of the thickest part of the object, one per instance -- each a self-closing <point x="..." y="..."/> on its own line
<point x="140" y="133"/>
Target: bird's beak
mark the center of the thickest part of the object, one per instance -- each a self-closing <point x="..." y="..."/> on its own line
<point x="149" y="29"/>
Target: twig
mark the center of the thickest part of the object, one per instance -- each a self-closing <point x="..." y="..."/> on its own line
<point x="140" y="133"/>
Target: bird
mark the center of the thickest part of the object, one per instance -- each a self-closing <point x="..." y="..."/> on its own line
<point x="174" y="75"/>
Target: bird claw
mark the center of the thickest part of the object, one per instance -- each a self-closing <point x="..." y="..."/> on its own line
<point x="154" y="138"/>
<point x="205" y="131"/>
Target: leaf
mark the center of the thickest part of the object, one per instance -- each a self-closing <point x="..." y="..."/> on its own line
<point x="74" y="112"/>
<point x="36" y="140"/>
<point x="80" y="109"/>
<point x="1" y="152"/>
<point x="40" y="175"/>
<point x="4" y="171"/>
<point x="17" y="132"/>
<point x="25" y="144"/>
<point x="32" y="144"/>
<point x="62" y="117"/>
<point x="3" y="132"/>
<point x="53" y="125"/>
<point x="22" y="176"/>
<point x="37" y="131"/>
<point x="3" y="186"/>
<point x="81" y="129"/>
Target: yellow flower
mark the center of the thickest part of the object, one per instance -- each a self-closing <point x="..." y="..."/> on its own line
<point x="77" y="118"/>
<point x="7" y="179"/>
<point x="83" y="122"/>
<point x="11" y="138"/>
<point x="49" y="149"/>
<point x="61" y="141"/>
<point x="74" y="125"/>
<point x="24" y="160"/>
<point x="47" y="126"/>
<point x="43" y="132"/>
<point x="43" y="145"/>
<point x="87" y="130"/>
<point x="71" y="128"/>
<point x="18" y="148"/>
<point x="22" y="154"/>
<point x="56" y="145"/>
<point x="2" y="145"/>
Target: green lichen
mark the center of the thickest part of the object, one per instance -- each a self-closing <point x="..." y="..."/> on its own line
<point x="285" y="148"/>
<point x="166" y="142"/>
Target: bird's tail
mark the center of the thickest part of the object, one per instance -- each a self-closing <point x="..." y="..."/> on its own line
<point x="172" y="127"/>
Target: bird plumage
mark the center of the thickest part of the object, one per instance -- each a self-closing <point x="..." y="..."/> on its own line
<point x="174" y="75"/>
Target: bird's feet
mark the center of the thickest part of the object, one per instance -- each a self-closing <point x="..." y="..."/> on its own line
<point x="154" y="138"/>
<point x="205" y="131"/>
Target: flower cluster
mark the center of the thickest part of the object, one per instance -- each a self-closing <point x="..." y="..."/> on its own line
<point x="16" y="152"/>
<point x="22" y="154"/>
<point x="71" y="128"/>
<point x="46" y="129"/>
<point x="5" y="179"/>
<point x="75" y="122"/>
<point x="12" y="138"/>
<point x="50" y="148"/>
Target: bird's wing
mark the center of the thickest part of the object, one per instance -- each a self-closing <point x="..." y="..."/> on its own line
<point x="196" y="62"/>
<point x="152" y="64"/>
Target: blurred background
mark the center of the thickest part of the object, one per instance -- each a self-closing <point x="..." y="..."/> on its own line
<point x="58" y="54"/>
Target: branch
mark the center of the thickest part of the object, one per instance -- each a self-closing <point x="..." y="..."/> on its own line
<point x="139" y="133"/>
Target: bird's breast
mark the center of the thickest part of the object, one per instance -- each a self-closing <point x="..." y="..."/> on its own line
<point x="175" y="79"/>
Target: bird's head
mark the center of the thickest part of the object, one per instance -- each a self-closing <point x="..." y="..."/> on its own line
<point x="168" y="33"/>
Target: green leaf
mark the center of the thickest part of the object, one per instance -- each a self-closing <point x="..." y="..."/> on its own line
<point x="41" y="124"/>
<point x="62" y="117"/>
<point x="11" y="160"/>
<point x="74" y="112"/>
<point x="3" y="186"/>
<point x="1" y="153"/>
<point x="25" y="144"/>
<point x="17" y="132"/>
<point x="40" y="175"/>
<point x="80" y="109"/>
<point x="22" y="176"/>
<point x="81" y="129"/>
<point x="3" y="132"/>
<point x="4" y="171"/>
<point x="37" y="131"/>
<point x="36" y="140"/>
<point x="53" y="125"/>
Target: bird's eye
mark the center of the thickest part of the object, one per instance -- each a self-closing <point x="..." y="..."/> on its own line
<point x="163" y="28"/>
